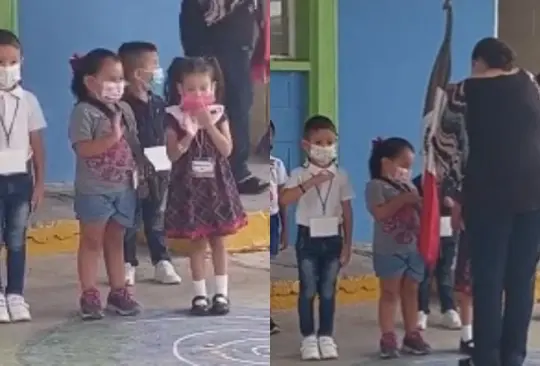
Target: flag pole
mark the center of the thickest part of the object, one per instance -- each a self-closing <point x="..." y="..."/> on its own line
<point x="429" y="238"/>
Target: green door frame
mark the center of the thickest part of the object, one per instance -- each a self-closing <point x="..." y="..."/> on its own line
<point x="9" y="18"/>
<point x="316" y="54"/>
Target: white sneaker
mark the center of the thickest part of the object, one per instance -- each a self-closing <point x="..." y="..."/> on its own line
<point x="18" y="308"/>
<point x="4" y="313"/>
<point x="166" y="274"/>
<point x="328" y="348"/>
<point x="310" y="349"/>
<point x="130" y="274"/>
<point x="422" y="320"/>
<point x="451" y="320"/>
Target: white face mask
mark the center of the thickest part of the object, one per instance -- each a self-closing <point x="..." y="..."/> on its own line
<point x="403" y="175"/>
<point x="112" y="92"/>
<point x="9" y="76"/>
<point x="323" y="154"/>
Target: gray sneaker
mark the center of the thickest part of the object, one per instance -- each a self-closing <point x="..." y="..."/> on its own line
<point x="90" y="303"/>
<point x="122" y="302"/>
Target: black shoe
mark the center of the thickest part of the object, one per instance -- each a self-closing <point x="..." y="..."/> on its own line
<point x="466" y="362"/>
<point x="200" y="306"/>
<point x="252" y="186"/>
<point x="466" y="348"/>
<point x="220" y="305"/>
<point x="274" y="329"/>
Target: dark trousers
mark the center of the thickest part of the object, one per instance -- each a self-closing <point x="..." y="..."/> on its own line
<point x="236" y="67"/>
<point x="504" y="254"/>
<point x="443" y="277"/>
<point x="318" y="269"/>
<point x="151" y="215"/>
<point x="15" y="201"/>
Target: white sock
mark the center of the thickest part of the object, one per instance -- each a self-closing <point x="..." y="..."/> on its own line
<point x="200" y="288"/>
<point x="222" y="285"/>
<point x="466" y="333"/>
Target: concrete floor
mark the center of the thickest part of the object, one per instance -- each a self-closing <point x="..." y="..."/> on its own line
<point x="357" y="336"/>
<point x="163" y="335"/>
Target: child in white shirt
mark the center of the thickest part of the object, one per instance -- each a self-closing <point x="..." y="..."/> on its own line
<point x="22" y="162"/>
<point x="323" y="195"/>
<point x="278" y="213"/>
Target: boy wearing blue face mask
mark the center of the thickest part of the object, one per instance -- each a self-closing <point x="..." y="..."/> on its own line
<point x="144" y="79"/>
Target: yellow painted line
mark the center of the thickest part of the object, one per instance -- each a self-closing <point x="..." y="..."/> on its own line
<point x="352" y="290"/>
<point x="63" y="237"/>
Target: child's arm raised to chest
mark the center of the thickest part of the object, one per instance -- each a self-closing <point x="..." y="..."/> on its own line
<point x="382" y="208"/>
<point x="296" y="187"/>
<point x="82" y="138"/>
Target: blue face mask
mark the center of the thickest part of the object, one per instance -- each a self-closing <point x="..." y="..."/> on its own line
<point x="156" y="83"/>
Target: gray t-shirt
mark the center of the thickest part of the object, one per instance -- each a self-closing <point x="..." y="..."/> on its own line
<point x="399" y="233"/>
<point x="109" y="172"/>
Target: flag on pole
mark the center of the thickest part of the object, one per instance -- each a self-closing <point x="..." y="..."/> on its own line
<point x="433" y="109"/>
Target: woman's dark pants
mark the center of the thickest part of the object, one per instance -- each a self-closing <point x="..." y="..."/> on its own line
<point x="504" y="254"/>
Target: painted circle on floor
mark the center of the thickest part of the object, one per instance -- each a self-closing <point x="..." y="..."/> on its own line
<point x="439" y="359"/>
<point x="156" y="338"/>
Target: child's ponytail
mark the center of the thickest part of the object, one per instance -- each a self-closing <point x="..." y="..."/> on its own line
<point x="218" y="79"/>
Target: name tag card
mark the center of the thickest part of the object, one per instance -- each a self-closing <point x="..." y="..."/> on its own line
<point x="157" y="156"/>
<point x="324" y="227"/>
<point x="13" y="161"/>
<point x="446" y="227"/>
<point x="203" y="168"/>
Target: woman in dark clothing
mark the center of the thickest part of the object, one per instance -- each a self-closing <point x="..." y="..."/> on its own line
<point x="500" y="196"/>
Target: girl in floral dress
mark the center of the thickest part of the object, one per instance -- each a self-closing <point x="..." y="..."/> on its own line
<point x="203" y="204"/>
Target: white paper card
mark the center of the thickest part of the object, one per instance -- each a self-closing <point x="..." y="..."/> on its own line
<point x="13" y="161"/>
<point x="323" y="227"/>
<point x="446" y="227"/>
<point x="157" y="156"/>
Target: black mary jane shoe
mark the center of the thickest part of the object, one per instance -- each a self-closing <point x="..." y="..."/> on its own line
<point x="466" y="347"/>
<point x="200" y="306"/>
<point x="274" y="328"/>
<point x="220" y="305"/>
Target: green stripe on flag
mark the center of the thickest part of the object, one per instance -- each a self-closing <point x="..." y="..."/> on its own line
<point x="9" y="17"/>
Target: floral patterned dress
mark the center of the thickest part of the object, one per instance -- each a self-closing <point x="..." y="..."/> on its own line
<point x="202" y="207"/>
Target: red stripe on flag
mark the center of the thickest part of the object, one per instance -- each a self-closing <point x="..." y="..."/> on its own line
<point x="430" y="220"/>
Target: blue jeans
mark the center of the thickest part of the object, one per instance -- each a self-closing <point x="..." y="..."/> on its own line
<point x="504" y="251"/>
<point x="15" y="197"/>
<point x="236" y="67"/>
<point x="443" y="277"/>
<point x="318" y="269"/>
<point x="151" y="214"/>
<point x="118" y="206"/>
<point x="275" y="231"/>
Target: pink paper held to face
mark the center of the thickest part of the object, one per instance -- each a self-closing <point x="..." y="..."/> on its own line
<point x="193" y="102"/>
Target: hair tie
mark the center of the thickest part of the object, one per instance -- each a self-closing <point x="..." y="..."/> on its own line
<point x="376" y="141"/>
<point x="74" y="61"/>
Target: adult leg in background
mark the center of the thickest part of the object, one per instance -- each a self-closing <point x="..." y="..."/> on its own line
<point x="236" y="67"/>
<point x="443" y="274"/>
<point x="522" y="259"/>
<point x="488" y="235"/>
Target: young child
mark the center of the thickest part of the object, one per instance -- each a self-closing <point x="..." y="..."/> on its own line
<point x="278" y="213"/>
<point x="105" y="178"/>
<point x="21" y="173"/>
<point x="144" y="80"/>
<point x="394" y="204"/>
<point x="323" y="195"/>
<point x="203" y="204"/>
<point x="443" y="269"/>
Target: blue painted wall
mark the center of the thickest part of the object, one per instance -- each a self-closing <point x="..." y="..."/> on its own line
<point x="288" y="109"/>
<point x="51" y="33"/>
<point x="386" y="51"/>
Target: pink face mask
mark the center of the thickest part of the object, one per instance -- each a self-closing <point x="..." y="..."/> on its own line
<point x="192" y="102"/>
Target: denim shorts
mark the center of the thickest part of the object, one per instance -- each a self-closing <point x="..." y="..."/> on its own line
<point x="275" y="226"/>
<point x="389" y="266"/>
<point x="119" y="206"/>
